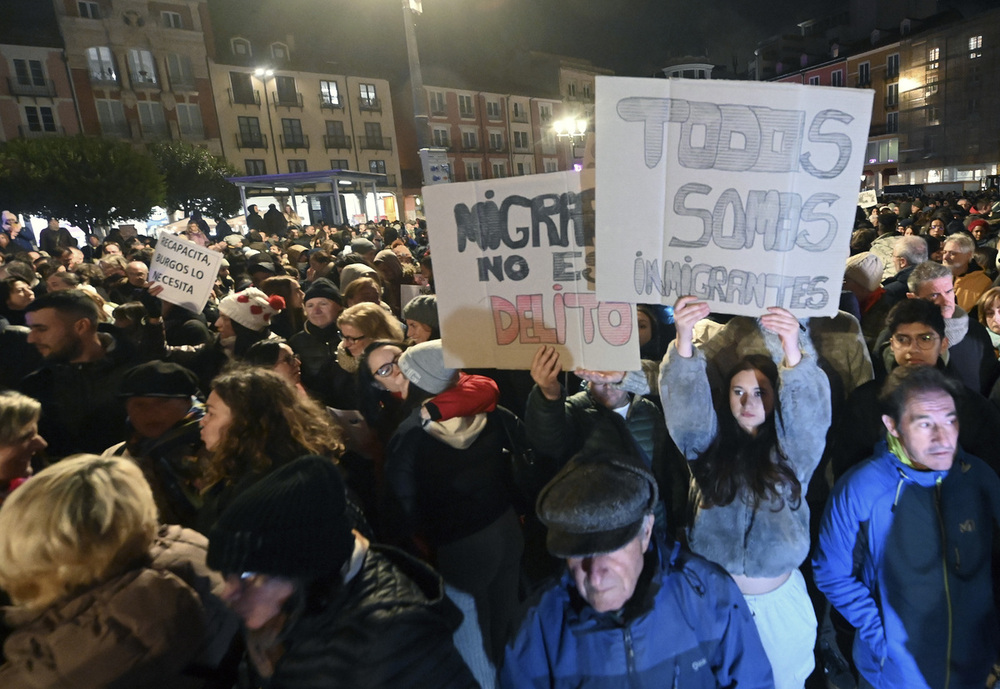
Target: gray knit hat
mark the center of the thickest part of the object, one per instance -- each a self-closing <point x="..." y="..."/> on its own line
<point x="423" y="309"/>
<point x="595" y="505"/>
<point x="423" y="365"/>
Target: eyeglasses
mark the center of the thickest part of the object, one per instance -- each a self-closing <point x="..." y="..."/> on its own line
<point x="289" y="359"/>
<point x="348" y="339"/>
<point x="385" y="370"/>
<point x="924" y="341"/>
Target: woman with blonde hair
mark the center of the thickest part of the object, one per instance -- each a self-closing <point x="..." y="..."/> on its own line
<point x="360" y="325"/>
<point x="19" y="439"/>
<point x="103" y="595"/>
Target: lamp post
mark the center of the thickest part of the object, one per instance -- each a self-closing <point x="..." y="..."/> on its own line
<point x="573" y="130"/>
<point x="411" y="8"/>
<point x="265" y="75"/>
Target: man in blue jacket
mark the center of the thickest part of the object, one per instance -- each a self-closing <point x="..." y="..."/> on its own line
<point x="905" y="543"/>
<point x="628" y="612"/>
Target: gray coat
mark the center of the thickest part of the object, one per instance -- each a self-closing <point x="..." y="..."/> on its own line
<point x="773" y="538"/>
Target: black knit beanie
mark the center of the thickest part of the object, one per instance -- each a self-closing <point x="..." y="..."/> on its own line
<point x="292" y="523"/>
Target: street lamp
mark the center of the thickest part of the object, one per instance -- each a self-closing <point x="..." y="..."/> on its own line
<point x="266" y="75"/>
<point x="570" y="128"/>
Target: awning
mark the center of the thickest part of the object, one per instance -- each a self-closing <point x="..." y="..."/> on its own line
<point x="294" y="180"/>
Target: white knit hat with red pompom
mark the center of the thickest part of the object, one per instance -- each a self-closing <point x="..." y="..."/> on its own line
<point x="251" y="308"/>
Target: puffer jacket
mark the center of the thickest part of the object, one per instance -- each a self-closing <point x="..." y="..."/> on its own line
<point x="772" y="538"/>
<point x="389" y="627"/>
<point x="686" y="626"/>
<point x="160" y="625"/>
<point x="904" y="556"/>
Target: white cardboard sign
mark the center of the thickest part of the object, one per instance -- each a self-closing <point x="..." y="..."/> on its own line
<point x="512" y="270"/>
<point x="740" y="193"/>
<point x="186" y="270"/>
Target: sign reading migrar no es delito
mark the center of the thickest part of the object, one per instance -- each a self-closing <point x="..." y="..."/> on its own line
<point x="742" y="194"/>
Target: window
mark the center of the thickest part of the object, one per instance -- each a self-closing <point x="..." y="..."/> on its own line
<point x="369" y="101"/>
<point x="864" y="74"/>
<point x="250" y="136"/>
<point x="329" y="94"/>
<point x="496" y="141"/>
<point x="29" y="72"/>
<point x="892" y="95"/>
<point x="545" y="112"/>
<point x="189" y="120"/>
<point x="291" y="129"/>
<point x="524" y="168"/>
<point x="499" y="170"/>
<point x="89" y="10"/>
<point x="151" y="118"/>
<point x="297" y="165"/>
<point x="892" y="123"/>
<point x="933" y="115"/>
<point x="111" y="116"/>
<point x="241" y="47"/>
<point x="837" y="78"/>
<point x="285" y="93"/>
<point x="437" y="103"/>
<point x="141" y="67"/>
<point x="892" y="66"/>
<point x="440" y="138"/>
<point x="470" y="141"/>
<point x="101" y="65"/>
<point x="932" y="85"/>
<point x="335" y="136"/>
<point x="179" y="69"/>
<point x="571" y="90"/>
<point x="376" y="166"/>
<point x="551" y="165"/>
<point x="279" y="51"/>
<point x="256" y="166"/>
<point x="519" y="112"/>
<point x="814" y="81"/>
<point x="465" y="107"/>
<point x="473" y="171"/>
<point x="242" y="89"/>
<point x="339" y="164"/>
<point x="586" y="91"/>
<point x="521" y="140"/>
<point x="39" y="119"/>
<point x="975" y="47"/>
<point x="171" y="20"/>
<point x="493" y="109"/>
<point x="933" y="56"/>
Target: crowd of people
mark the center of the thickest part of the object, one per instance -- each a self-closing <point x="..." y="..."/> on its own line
<point x="291" y="488"/>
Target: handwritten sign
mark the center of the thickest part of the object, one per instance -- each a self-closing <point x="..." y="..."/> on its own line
<point x="186" y="270"/>
<point x="742" y="194"/>
<point x="513" y="269"/>
<point x="867" y="198"/>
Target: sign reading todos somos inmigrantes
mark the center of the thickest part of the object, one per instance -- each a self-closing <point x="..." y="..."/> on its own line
<point x="741" y="194"/>
<point x="186" y="270"/>
<point x="513" y="269"/>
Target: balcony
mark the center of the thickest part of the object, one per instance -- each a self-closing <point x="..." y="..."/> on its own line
<point x="472" y="148"/>
<point x="337" y="141"/>
<point x="192" y="134"/>
<point x="182" y="83"/>
<point x="244" y="97"/>
<point x="390" y="180"/>
<point x="375" y="143"/>
<point x="144" y="81"/>
<point x="27" y="133"/>
<point x="118" y="130"/>
<point x="294" y="143"/>
<point x="106" y="78"/>
<point x="289" y="99"/>
<point x="45" y="90"/>
<point x="520" y="117"/>
<point x="500" y="148"/>
<point x="467" y="114"/>
<point x="253" y="140"/>
<point x="370" y="105"/>
<point x="438" y="111"/>
<point x="327" y="102"/>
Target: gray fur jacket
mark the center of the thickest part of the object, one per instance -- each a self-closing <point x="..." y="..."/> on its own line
<point x="773" y="538"/>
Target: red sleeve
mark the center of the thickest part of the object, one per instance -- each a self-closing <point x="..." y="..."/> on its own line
<point x="471" y="395"/>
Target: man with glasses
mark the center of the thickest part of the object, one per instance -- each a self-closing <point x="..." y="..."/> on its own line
<point x="916" y="337"/>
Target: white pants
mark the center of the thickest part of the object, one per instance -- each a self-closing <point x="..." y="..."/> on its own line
<point x="786" y="623"/>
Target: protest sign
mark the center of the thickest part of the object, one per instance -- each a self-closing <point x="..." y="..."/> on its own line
<point x="186" y="271"/>
<point x="867" y="198"/>
<point x="511" y="270"/>
<point x="740" y="193"/>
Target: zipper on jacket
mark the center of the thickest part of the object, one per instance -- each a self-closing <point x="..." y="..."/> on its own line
<point x="944" y="572"/>
<point x="633" y="676"/>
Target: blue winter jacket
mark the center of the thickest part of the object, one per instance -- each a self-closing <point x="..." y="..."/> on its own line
<point x="904" y="555"/>
<point x="686" y="626"/>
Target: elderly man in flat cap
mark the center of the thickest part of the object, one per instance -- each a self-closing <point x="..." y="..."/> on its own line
<point x="628" y="610"/>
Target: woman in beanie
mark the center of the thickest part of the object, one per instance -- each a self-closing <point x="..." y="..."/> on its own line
<point x="751" y="456"/>
<point x="446" y="488"/>
<point x="245" y="318"/>
<point x="103" y="595"/>
<point x="254" y="422"/>
<point x="292" y="318"/>
<point x="421" y="316"/>
<point x="322" y="607"/>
